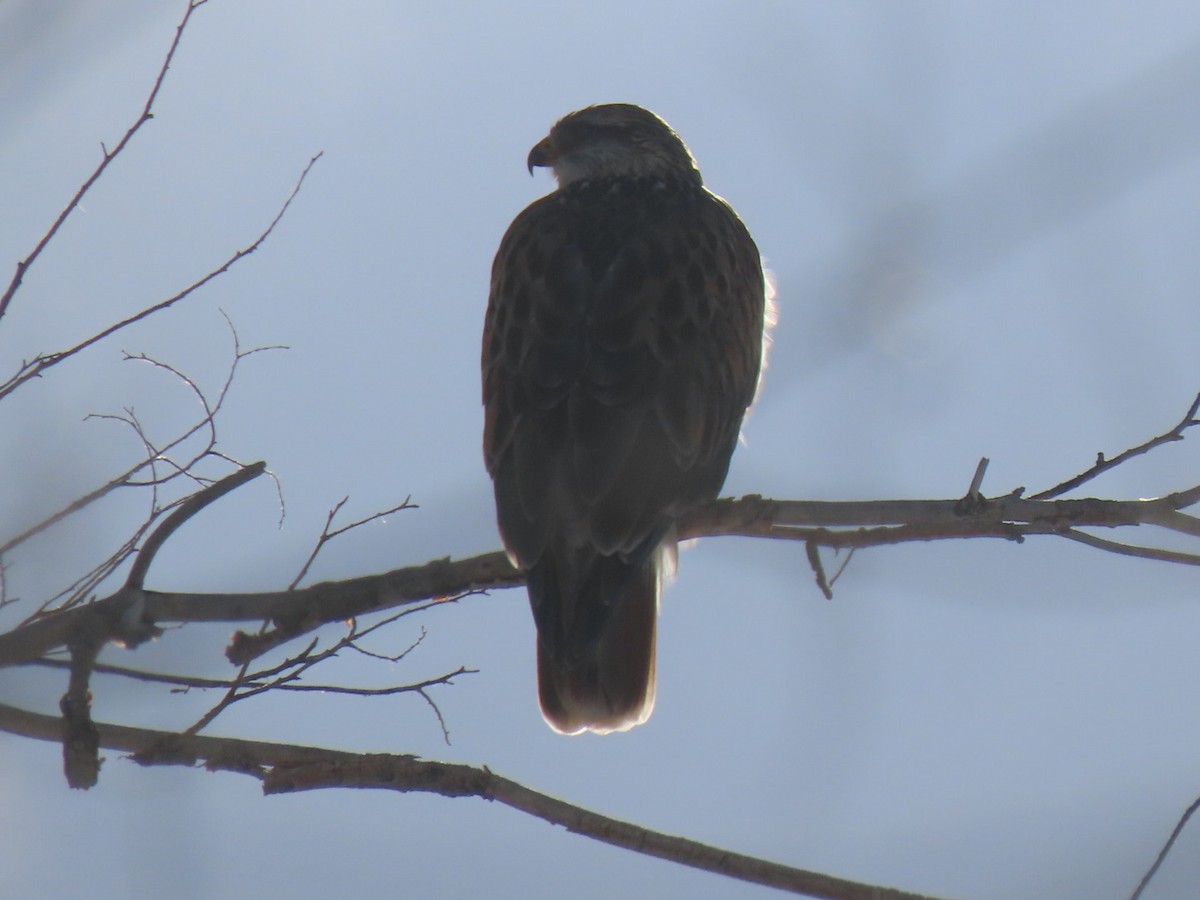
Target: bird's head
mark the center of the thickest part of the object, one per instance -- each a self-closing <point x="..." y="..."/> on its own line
<point x="614" y="140"/>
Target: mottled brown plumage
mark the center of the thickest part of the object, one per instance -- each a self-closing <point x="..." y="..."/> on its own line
<point x="622" y="345"/>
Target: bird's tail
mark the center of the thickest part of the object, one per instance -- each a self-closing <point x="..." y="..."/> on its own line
<point x="597" y="674"/>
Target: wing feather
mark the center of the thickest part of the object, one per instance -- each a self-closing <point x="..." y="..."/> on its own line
<point x="644" y="325"/>
<point x="621" y="348"/>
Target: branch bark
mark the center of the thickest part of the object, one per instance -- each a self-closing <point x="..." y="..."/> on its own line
<point x="842" y="525"/>
<point x="288" y="768"/>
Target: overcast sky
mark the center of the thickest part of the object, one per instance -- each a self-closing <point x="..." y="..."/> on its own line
<point x="982" y="219"/>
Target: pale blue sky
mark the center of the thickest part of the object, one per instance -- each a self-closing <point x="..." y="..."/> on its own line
<point x="982" y="221"/>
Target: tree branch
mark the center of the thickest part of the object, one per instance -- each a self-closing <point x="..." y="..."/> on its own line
<point x="35" y="367"/>
<point x="183" y="512"/>
<point x="287" y="768"/>
<point x="1166" y="849"/>
<point x="154" y="455"/>
<point x="851" y="524"/>
<point x="109" y="155"/>
<point x="1103" y="464"/>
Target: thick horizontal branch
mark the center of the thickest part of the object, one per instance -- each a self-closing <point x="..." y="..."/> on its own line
<point x="286" y="768"/>
<point x="1008" y="516"/>
<point x="130" y="614"/>
<point x="126" y="615"/>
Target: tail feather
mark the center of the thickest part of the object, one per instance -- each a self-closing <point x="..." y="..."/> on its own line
<point x="606" y="682"/>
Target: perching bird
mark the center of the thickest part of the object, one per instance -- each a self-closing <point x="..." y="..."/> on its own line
<point x="622" y="345"/>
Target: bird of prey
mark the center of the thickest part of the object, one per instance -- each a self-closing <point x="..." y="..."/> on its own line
<point x="622" y="346"/>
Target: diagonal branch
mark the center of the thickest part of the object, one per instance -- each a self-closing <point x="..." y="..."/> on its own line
<point x="286" y="768"/>
<point x="35" y="367"/>
<point x="1166" y="849"/>
<point x="1103" y="464"/>
<point x="186" y="510"/>
<point x="146" y="115"/>
<point x="1156" y="553"/>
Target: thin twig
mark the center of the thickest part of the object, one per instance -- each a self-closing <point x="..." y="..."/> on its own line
<point x="286" y="674"/>
<point x="155" y="455"/>
<point x="415" y="688"/>
<point x="186" y="683"/>
<point x="437" y="711"/>
<point x="1103" y="465"/>
<point x="83" y="587"/>
<point x="38" y="365"/>
<point x="1166" y="848"/>
<point x="327" y="535"/>
<point x="389" y="657"/>
<point x="231" y="697"/>
<point x="109" y="155"/>
<point x="842" y="568"/>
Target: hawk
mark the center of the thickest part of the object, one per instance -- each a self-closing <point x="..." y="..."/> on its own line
<point x="622" y="346"/>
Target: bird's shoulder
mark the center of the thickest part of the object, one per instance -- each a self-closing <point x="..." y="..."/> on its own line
<point x="588" y="227"/>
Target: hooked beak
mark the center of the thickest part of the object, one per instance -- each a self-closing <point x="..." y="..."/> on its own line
<point x="542" y="155"/>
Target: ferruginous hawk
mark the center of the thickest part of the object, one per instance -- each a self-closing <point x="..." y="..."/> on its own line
<point x="622" y="346"/>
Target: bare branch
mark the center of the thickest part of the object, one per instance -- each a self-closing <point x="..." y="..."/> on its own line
<point x="437" y="712"/>
<point x="327" y="535"/>
<point x="183" y="512"/>
<point x="154" y="455"/>
<point x="182" y="683"/>
<point x="392" y="657"/>
<point x="1172" y="556"/>
<point x="1103" y="465"/>
<point x="35" y="367"/>
<point x="824" y="523"/>
<point x="416" y="688"/>
<point x="842" y="567"/>
<point x="287" y="674"/>
<point x="85" y="585"/>
<point x="813" y="550"/>
<point x="80" y="738"/>
<point x="1174" y="520"/>
<point x="1166" y="848"/>
<point x="286" y="768"/>
<point x="185" y="683"/>
<point x="109" y="155"/>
